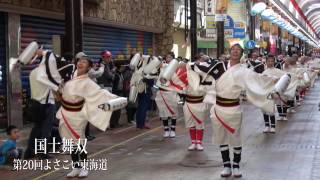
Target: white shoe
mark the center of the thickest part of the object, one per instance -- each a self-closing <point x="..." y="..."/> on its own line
<point x="272" y="130"/>
<point x="166" y="134"/>
<point x="284" y="118"/>
<point x="199" y="147"/>
<point x="83" y="173"/>
<point x="172" y="134"/>
<point x="237" y="173"/>
<point x="192" y="147"/>
<point x="74" y="173"/>
<point x="293" y="111"/>
<point x="226" y="172"/>
<point x="266" y="130"/>
<point x="280" y="118"/>
<point x="298" y="104"/>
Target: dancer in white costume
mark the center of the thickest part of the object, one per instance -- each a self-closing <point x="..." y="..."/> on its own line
<point x="269" y="119"/>
<point x="194" y="109"/>
<point x="254" y="63"/>
<point x="226" y="114"/>
<point x="314" y="66"/>
<point x="82" y="101"/>
<point x="201" y="79"/>
<point x="167" y="102"/>
<point x="145" y="71"/>
<point x="290" y="66"/>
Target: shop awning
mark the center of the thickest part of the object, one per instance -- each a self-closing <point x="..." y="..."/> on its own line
<point x="210" y="44"/>
<point x="206" y="44"/>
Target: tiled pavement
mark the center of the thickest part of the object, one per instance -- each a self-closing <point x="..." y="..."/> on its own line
<point x="293" y="153"/>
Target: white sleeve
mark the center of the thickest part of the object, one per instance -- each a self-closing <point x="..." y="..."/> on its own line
<point x="96" y="73"/>
<point x="94" y="96"/>
<point x="257" y="87"/>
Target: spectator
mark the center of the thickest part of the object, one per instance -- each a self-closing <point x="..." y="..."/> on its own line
<point x="144" y="101"/>
<point x="106" y="79"/>
<point x="132" y="107"/>
<point x="117" y="89"/>
<point x="9" y="150"/>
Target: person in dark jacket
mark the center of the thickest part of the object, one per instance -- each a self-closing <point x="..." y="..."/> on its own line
<point x="106" y="79"/>
<point x="144" y="102"/>
<point x="117" y="88"/>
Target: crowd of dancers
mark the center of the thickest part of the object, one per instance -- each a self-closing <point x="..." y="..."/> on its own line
<point x="208" y="88"/>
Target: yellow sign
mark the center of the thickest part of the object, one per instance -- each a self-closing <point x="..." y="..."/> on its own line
<point x="210" y="23"/>
<point x="264" y="44"/>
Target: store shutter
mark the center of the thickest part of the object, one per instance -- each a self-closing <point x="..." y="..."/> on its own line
<point x="121" y="42"/>
<point x="3" y="82"/>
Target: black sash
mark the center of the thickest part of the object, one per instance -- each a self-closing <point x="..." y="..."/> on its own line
<point x="46" y="62"/>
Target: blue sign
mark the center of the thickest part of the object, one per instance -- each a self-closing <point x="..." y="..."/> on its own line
<point x="234" y="29"/>
<point x="251" y="44"/>
<point x="228" y="23"/>
<point x="237" y="1"/>
<point x="239" y="33"/>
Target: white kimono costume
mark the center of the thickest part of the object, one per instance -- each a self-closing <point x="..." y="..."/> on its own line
<point x="276" y="73"/>
<point x="194" y="109"/>
<point x="227" y="120"/>
<point x="166" y="100"/>
<point x="296" y="81"/>
<point x="314" y="67"/>
<point x="136" y="82"/>
<point x="83" y="89"/>
<point x="304" y="69"/>
<point x="195" y="113"/>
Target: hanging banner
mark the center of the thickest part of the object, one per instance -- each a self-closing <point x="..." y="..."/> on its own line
<point x="266" y="26"/>
<point x="237" y="12"/>
<point x="273" y="45"/>
<point x="228" y="27"/>
<point x="274" y="29"/>
<point x="222" y="6"/>
<point x="209" y="7"/>
<point x="257" y="28"/>
<point x="285" y="34"/>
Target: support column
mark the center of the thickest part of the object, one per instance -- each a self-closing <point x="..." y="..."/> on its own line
<point x="220" y="38"/>
<point x="300" y="47"/>
<point x="294" y="43"/>
<point x="73" y="26"/>
<point x="78" y="26"/>
<point x="14" y="86"/>
<point x="305" y="48"/>
<point x="252" y="28"/>
<point x="279" y="42"/>
<point x="193" y="28"/>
